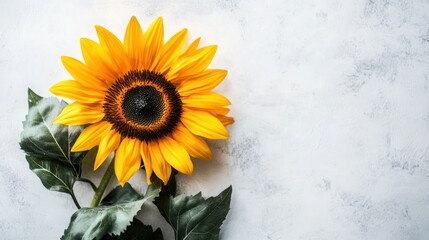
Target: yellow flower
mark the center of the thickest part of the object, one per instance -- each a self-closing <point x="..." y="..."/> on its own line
<point x="145" y="99"/>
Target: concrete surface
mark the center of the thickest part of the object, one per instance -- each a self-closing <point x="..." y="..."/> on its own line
<point x="331" y="102"/>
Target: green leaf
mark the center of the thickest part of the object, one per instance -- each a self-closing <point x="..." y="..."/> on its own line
<point x="170" y="188"/>
<point x="112" y="216"/>
<point x="137" y="231"/>
<point x="33" y="98"/>
<point x="55" y="175"/>
<point x="48" y="145"/>
<point x="42" y="138"/>
<point x="193" y="217"/>
<point x="120" y="195"/>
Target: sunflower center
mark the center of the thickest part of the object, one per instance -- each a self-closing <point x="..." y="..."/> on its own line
<point x="143" y="105"/>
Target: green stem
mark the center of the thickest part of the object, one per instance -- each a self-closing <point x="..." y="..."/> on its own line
<point x="89" y="182"/>
<point x="75" y="200"/>
<point x="103" y="184"/>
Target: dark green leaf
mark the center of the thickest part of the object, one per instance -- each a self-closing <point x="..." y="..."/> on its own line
<point x="33" y="98"/>
<point x="55" y="175"/>
<point x="170" y="188"/>
<point x="48" y="145"/>
<point x="120" y="195"/>
<point x="43" y="138"/>
<point x="137" y="231"/>
<point x="115" y="213"/>
<point x="193" y="217"/>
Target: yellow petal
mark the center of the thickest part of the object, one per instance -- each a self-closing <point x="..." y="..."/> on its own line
<point x="75" y="91"/>
<point x="201" y="82"/>
<point x="170" y="52"/>
<point x="133" y="43"/>
<point x="98" y="61"/>
<point x="204" y="124"/>
<point x="191" y="48"/>
<point x="82" y="74"/>
<point x="194" y="63"/>
<point x="147" y="161"/>
<point x="108" y="144"/>
<point x="91" y="136"/>
<point x="127" y="159"/>
<point x="176" y="155"/>
<point x="213" y="111"/>
<point x="113" y="46"/>
<point x="161" y="168"/>
<point x="194" y="145"/>
<point x="79" y="114"/>
<point x="154" y="39"/>
<point x="225" y="120"/>
<point x="205" y="100"/>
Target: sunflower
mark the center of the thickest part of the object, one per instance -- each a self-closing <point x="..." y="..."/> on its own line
<point x="151" y="102"/>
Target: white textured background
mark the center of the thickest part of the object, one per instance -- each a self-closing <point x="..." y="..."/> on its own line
<point x="331" y="102"/>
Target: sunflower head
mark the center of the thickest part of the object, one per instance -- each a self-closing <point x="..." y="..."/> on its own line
<point x="148" y="100"/>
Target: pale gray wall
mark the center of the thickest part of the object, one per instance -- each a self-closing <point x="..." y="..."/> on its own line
<point x="331" y="101"/>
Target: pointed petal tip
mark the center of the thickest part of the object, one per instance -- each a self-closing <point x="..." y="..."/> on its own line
<point x="165" y="182"/>
<point x="96" y="167"/>
<point x="182" y="32"/>
<point x="149" y="182"/>
<point x="83" y="40"/>
<point x="134" y="21"/>
<point x="100" y="29"/>
<point x="122" y="183"/>
<point x="63" y="58"/>
<point x="121" y="180"/>
<point x="52" y="89"/>
<point x="74" y="149"/>
<point x="164" y="179"/>
<point x="190" y="168"/>
<point x="197" y="40"/>
<point x="189" y="172"/>
<point x="97" y="163"/>
<point x="211" y="49"/>
<point x="158" y="21"/>
<point x="226" y="135"/>
<point x="57" y="120"/>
